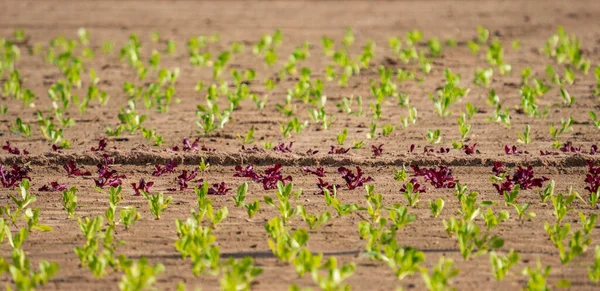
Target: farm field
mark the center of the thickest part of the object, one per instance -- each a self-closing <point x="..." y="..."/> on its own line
<point x="288" y="145"/>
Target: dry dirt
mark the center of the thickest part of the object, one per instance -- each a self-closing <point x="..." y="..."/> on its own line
<point x="532" y="22"/>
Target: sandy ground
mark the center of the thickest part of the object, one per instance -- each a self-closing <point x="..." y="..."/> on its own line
<point x="531" y="22"/>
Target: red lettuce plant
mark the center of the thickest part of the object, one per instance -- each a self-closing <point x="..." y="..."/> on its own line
<point x="141" y="186"/>
<point x="469" y="150"/>
<point x="269" y="179"/>
<point x="513" y="150"/>
<point x="101" y="146"/>
<point x="319" y="172"/>
<point x="411" y="148"/>
<point x="53" y="187"/>
<point x="592" y="178"/>
<point x="72" y="169"/>
<point x="281" y="147"/>
<point x="168" y="168"/>
<point x="440" y="178"/>
<point x="322" y="185"/>
<point x="593" y="149"/>
<point x="11" y="178"/>
<point x="524" y="177"/>
<point x="311" y="152"/>
<point x="338" y="151"/>
<point x="417" y="187"/>
<point x="186" y="177"/>
<point x="568" y="147"/>
<point x="106" y="176"/>
<point x="377" y="150"/>
<point x="13" y="150"/>
<point x="218" y="189"/>
<point x="188" y="146"/>
<point x="253" y="149"/>
<point x="56" y="149"/>
<point x="442" y="150"/>
<point x="354" y="181"/>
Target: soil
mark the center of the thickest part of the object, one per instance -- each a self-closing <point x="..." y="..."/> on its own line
<point x="531" y="22"/>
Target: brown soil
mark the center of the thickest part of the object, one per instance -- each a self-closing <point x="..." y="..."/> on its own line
<point x="532" y="22"/>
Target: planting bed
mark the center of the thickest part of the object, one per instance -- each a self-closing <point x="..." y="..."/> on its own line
<point x="511" y="33"/>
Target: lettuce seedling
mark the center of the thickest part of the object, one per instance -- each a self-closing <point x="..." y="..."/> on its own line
<point x="283" y="195"/>
<point x="491" y="220"/>
<point x="239" y="274"/>
<point x="411" y="193"/>
<point x="241" y="194"/>
<point x="436" y="207"/>
<point x="313" y="221"/>
<point x="129" y="216"/>
<point x="139" y="275"/>
<point x="168" y="168"/>
<point x="319" y="172"/>
<point x="377" y="150"/>
<point x="101" y="146"/>
<point x="281" y="147"/>
<point x="524" y="137"/>
<point x="502" y="264"/>
<point x="269" y="179"/>
<point x="25" y="129"/>
<point x="513" y="150"/>
<point x="141" y="186"/>
<point x="433" y="136"/>
<point x="341" y="137"/>
<point x="52" y="187"/>
<point x="69" y="198"/>
<point x="252" y="208"/>
<point x="72" y="170"/>
<point x="352" y="180"/>
<point x="14" y="176"/>
<point x="13" y="150"/>
<point x="594" y="270"/>
<point x="439" y="279"/>
<point x="158" y="203"/>
<point x="106" y="176"/>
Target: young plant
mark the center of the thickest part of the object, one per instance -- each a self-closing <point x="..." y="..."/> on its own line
<point x="588" y="223"/>
<point x="411" y="193"/>
<point x="341" y="209"/>
<point x="69" y="198"/>
<point x="138" y="275"/>
<point x="547" y="192"/>
<point x="521" y="210"/>
<point x="249" y="138"/>
<point x="158" y="203"/>
<point x="463" y="127"/>
<point x="502" y="264"/>
<point x="594" y="270"/>
<point x="252" y="208"/>
<point x="436" y="207"/>
<point x="439" y="278"/>
<point x="283" y="195"/>
<point x="314" y="221"/>
<point x="241" y="194"/>
<point x="21" y="128"/>
<point x="239" y="274"/>
<point x="129" y="216"/>
<point x="335" y="276"/>
<point x="341" y="137"/>
<point x="433" y="136"/>
<point x="595" y="120"/>
<point x="400" y="175"/>
<point x="524" y="137"/>
<point x="537" y="277"/>
<point x="491" y="220"/>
